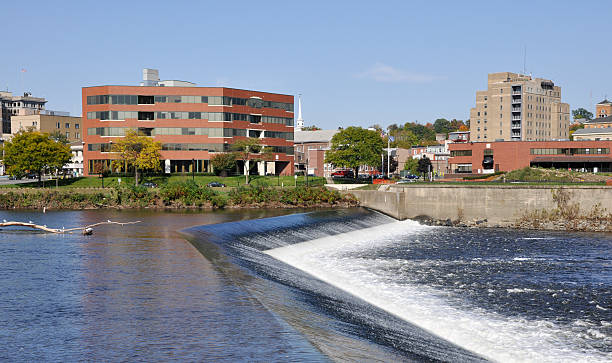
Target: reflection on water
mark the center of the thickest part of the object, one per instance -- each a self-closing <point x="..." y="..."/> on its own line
<point x="130" y="293"/>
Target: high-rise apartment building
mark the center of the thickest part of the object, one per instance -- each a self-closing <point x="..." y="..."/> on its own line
<point x="18" y="106"/>
<point x="192" y="123"/>
<point x="517" y="107"/>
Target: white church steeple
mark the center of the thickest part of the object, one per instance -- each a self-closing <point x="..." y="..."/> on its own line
<point x="299" y="124"/>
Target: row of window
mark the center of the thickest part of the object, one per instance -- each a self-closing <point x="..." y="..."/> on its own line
<point x="67" y="125"/>
<point x="569" y="151"/>
<point x="210" y="100"/>
<point x="202" y="131"/>
<point x="461" y="153"/>
<point x="180" y="115"/>
<point x="194" y="147"/>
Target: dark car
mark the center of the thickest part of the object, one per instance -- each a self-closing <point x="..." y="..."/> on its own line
<point x="215" y="185"/>
<point x="150" y="185"/>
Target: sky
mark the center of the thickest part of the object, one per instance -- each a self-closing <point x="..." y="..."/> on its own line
<point x="354" y="62"/>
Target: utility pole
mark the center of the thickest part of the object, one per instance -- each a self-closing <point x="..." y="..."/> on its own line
<point x="388" y="156"/>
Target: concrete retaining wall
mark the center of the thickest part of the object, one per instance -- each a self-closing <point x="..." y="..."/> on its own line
<point x="500" y="205"/>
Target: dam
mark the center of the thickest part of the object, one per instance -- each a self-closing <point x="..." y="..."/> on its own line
<point x="499" y="205"/>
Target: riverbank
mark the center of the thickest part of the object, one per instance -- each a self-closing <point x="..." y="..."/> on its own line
<point x="179" y="195"/>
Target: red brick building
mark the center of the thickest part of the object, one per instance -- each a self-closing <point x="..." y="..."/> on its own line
<point x="488" y="157"/>
<point x="192" y="123"/>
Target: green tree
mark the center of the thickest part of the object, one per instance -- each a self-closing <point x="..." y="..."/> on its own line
<point x="59" y="137"/>
<point x="222" y="162"/>
<point x="412" y="165"/>
<point x="139" y="152"/>
<point x="404" y="139"/>
<point x="353" y="147"/>
<point x="422" y="132"/>
<point x="424" y="165"/>
<point x="34" y="152"/>
<point x="442" y="126"/>
<point x="245" y="150"/>
<point x="582" y="113"/>
<point x="573" y="128"/>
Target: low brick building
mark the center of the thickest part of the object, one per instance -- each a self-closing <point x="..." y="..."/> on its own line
<point x="489" y="157"/>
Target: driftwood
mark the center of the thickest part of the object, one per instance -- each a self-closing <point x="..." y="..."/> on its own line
<point x="87" y="230"/>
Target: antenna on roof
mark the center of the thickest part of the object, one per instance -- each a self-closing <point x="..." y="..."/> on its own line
<point x="525" y="60"/>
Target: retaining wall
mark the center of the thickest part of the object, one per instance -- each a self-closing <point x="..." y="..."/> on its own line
<point x="500" y="205"/>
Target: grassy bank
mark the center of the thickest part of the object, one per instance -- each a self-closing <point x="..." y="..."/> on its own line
<point x="230" y="181"/>
<point x="177" y="194"/>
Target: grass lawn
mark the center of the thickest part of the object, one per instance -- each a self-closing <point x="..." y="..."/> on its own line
<point x="230" y="181"/>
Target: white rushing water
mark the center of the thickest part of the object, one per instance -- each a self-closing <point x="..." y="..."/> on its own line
<point x="477" y="329"/>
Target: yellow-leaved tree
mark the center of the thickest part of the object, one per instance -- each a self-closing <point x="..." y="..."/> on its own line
<point x="139" y="152"/>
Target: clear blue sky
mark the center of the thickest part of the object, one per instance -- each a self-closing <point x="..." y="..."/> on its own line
<point x="354" y="62"/>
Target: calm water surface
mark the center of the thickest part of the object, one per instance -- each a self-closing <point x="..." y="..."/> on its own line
<point x="137" y="293"/>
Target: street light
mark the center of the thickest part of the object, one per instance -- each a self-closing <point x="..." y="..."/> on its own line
<point x="193" y="169"/>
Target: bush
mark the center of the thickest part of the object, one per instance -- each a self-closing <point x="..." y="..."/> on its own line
<point x="189" y="193"/>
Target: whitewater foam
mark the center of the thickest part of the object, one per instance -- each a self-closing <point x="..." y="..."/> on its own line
<point x="483" y="332"/>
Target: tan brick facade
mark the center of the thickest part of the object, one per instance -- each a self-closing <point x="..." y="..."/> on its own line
<point x="517" y="107"/>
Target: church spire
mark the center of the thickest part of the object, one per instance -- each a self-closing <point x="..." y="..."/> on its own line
<point x="300" y="121"/>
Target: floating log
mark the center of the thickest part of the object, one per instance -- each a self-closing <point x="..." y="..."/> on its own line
<point x="87" y="230"/>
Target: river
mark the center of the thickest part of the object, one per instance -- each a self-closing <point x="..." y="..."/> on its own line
<point x="287" y="285"/>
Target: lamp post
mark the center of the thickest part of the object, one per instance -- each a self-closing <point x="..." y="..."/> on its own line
<point x="193" y="169"/>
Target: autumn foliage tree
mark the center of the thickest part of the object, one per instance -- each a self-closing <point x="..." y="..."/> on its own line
<point x="139" y="152"/>
<point x="34" y="152"/>
<point x="222" y="162"/>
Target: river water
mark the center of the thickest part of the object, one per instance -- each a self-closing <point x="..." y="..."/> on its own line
<point x="279" y="285"/>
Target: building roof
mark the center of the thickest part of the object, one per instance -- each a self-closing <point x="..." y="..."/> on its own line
<point x="600" y="120"/>
<point x="300" y="136"/>
<point x="593" y="131"/>
<point x="605" y="102"/>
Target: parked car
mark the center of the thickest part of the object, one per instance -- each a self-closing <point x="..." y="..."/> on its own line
<point x="343" y="174"/>
<point x="149" y="185"/>
<point x="215" y="185"/>
<point x="411" y="176"/>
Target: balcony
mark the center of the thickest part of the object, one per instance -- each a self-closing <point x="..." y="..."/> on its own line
<point x="515" y="125"/>
<point x="516" y="118"/>
<point x="516" y="101"/>
<point x="517" y="93"/>
<point x="516" y="109"/>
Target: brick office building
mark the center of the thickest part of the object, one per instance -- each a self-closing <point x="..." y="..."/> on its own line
<point x="488" y="157"/>
<point x="192" y="123"/>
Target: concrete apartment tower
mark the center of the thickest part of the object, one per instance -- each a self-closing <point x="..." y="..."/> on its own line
<point x="517" y="107"/>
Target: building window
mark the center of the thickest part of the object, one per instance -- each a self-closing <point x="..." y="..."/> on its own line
<point x="67" y="134"/>
<point x="76" y="126"/>
<point x="58" y="125"/>
<point x="67" y="125"/>
<point x="77" y="135"/>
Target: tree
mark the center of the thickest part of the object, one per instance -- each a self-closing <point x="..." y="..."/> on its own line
<point x="463" y="128"/>
<point x="139" y="152"/>
<point x="59" y="137"/>
<point x="581" y="113"/>
<point x="34" y="152"/>
<point x="404" y="139"/>
<point x="574" y="127"/>
<point x="422" y="132"/>
<point x="245" y="148"/>
<point x="442" y="126"/>
<point x="311" y="128"/>
<point x="353" y="147"/>
<point x="222" y="162"/>
<point x="424" y="165"/>
<point x="412" y="165"/>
